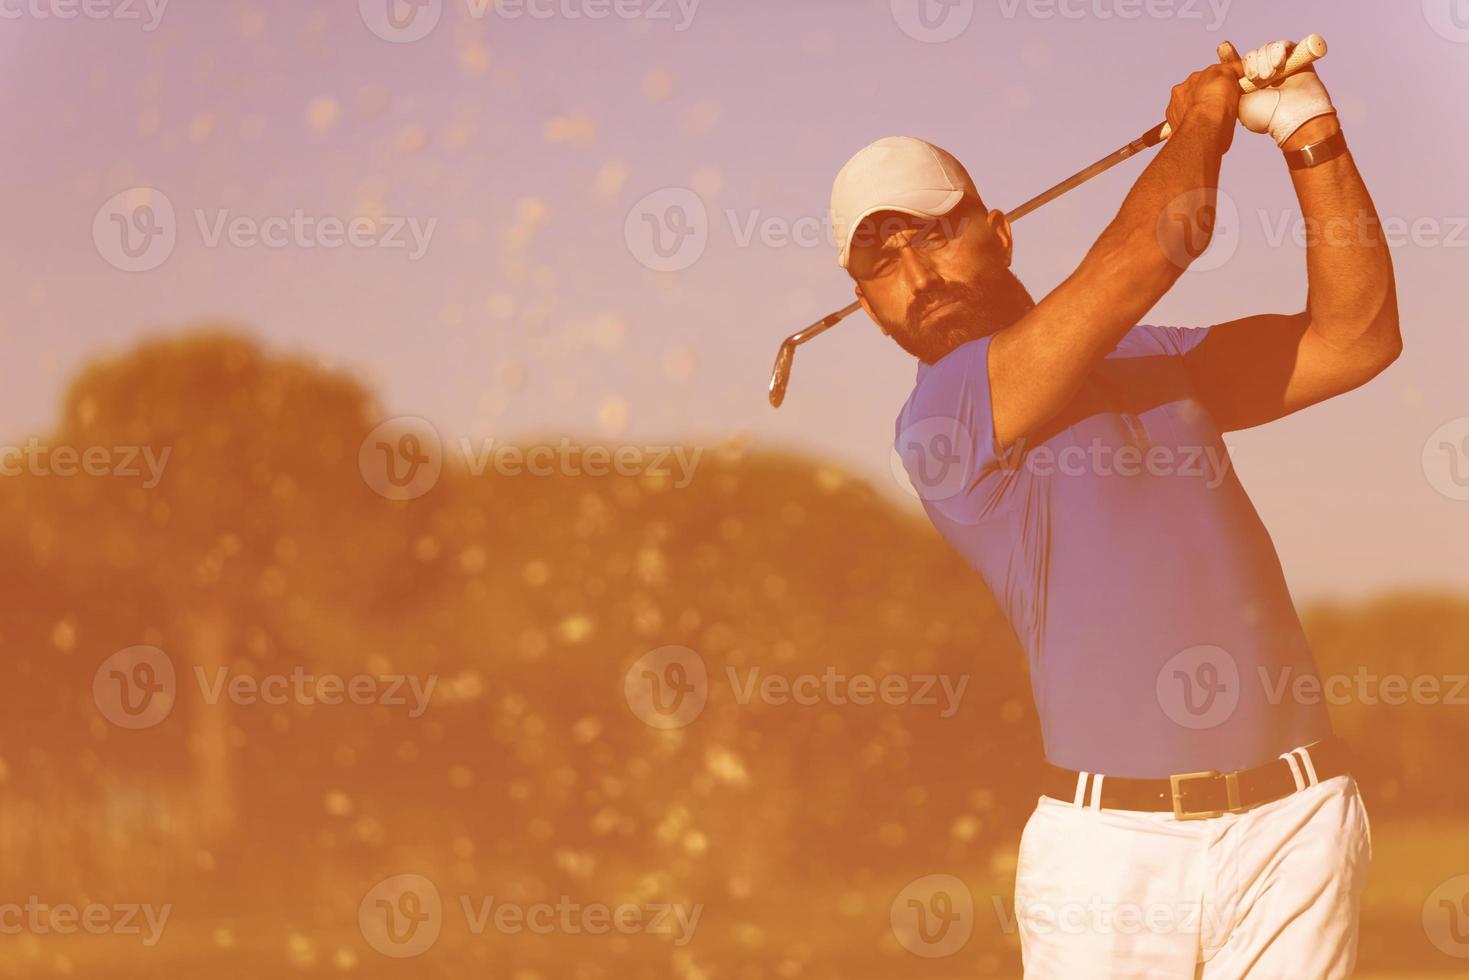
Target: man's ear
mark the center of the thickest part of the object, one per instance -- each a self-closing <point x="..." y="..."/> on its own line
<point x="1000" y="225"/>
<point x="863" y="300"/>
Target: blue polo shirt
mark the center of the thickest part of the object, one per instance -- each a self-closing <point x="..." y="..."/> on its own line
<point x="1128" y="559"/>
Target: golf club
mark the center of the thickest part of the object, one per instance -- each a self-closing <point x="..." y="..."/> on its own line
<point x="1307" y="51"/>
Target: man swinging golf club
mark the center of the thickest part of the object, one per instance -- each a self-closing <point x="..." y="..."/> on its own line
<point x="1198" y="818"/>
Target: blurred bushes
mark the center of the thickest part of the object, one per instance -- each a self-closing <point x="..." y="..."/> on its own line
<point x="263" y="549"/>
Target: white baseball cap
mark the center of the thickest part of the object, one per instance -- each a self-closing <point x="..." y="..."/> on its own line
<point x="897" y="173"/>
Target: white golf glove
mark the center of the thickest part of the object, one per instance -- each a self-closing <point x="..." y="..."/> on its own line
<point x="1283" y="108"/>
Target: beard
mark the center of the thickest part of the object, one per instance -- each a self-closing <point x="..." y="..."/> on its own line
<point x="977" y="309"/>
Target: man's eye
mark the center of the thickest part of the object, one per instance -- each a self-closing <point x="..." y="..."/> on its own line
<point x="930" y="238"/>
<point x="883" y="266"/>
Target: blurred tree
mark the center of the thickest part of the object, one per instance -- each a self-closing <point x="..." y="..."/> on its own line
<point x="262" y="547"/>
<point x="247" y="513"/>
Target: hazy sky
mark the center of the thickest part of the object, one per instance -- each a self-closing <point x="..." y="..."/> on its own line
<point x="518" y="139"/>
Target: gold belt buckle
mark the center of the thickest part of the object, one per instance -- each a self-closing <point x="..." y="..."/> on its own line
<point x="1231" y="789"/>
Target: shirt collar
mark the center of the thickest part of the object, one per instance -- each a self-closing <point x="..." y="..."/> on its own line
<point x="923" y="369"/>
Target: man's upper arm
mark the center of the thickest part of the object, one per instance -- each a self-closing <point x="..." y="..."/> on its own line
<point x="1037" y="364"/>
<point x="946" y="435"/>
<point x="1260" y="368"/>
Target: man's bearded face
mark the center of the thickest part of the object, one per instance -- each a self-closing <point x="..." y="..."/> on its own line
<point x="934" y="284"/>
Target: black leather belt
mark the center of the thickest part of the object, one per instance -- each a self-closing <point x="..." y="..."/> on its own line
<point x="1197" y="795"/>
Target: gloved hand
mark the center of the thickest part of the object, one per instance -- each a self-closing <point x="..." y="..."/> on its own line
<point x="1284" y="107"/>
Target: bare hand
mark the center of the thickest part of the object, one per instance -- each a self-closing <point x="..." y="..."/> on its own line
<point x="1212" y="94"/>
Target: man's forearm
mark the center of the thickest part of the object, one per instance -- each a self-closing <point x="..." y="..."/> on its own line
<point x="1165" y="222"/>
<point x="1037" y="364"/>
<point x="1168" y="215"/>
<point x="1352" y="297"/>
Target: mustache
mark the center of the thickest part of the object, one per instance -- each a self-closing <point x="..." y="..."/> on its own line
<point x="989" y="303"/>
<point x="929" y="300"/>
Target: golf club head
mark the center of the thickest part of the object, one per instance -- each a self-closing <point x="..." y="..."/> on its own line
<point x="781" y="376"/>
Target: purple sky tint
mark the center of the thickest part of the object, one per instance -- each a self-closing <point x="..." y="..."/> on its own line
<point x="522" y="143"/>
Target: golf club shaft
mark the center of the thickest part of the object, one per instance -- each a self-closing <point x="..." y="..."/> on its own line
<point x="1152" y="137"/>
<point x="780" y="377"/>
<point x="1304" y="53"/>
<point x="1310" y="49"/>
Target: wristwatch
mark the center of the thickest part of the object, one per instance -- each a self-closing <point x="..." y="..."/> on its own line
<point x="1314" y="154"/>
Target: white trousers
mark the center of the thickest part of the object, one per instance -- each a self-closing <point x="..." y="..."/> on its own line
<point x="1270" y="893"/>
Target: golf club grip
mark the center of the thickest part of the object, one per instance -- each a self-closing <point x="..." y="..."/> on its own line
<point x="1309" y="50"/>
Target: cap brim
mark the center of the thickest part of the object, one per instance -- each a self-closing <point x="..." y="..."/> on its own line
<point x="921" y="203"/>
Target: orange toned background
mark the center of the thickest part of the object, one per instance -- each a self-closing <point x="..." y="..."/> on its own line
<point x="265" y="547"/>
<point x="794" y="826"/>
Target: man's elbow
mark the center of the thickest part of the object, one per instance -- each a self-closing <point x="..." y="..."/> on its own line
<point x="1392" y="350"/>
<point x="1373" y="342"/>
<point x="1376" y="350"/>
<point x="1386" y="338"/>
<point x="1384" y="327"/>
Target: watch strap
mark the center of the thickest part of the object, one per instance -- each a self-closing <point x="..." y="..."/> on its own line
<point x="1315" y="154"/>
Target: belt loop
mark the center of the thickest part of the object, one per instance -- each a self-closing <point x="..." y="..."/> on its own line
<point x="1310" y="766"/>
<point x="1080" y="798"/>
<point x="1096" y="801"/>
<point x="1295" y="769"/>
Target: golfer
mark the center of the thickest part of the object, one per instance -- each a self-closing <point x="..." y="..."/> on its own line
<point x="1198" y="818"/>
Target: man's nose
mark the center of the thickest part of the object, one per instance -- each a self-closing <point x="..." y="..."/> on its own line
<point x="917" y="270"/>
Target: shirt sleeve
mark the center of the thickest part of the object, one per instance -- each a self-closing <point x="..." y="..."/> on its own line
<point x="1177" y="341"/>
<point x="946" y="435"/>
